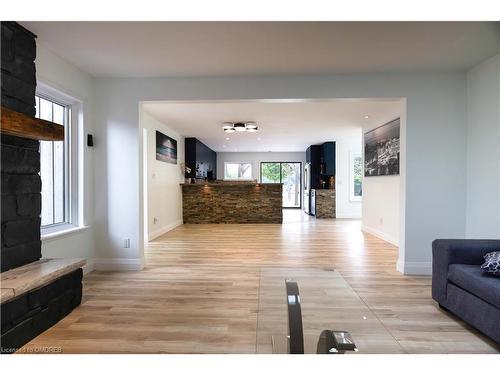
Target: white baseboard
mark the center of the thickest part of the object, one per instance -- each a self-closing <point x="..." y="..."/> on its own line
<point x="347" y="216"/>
<point x="418" y="268"/>
<point x="380" y="234"/>
<point x="167" y="228"/>
<point x="118" y="264"/>
<point x="400" y="265"/>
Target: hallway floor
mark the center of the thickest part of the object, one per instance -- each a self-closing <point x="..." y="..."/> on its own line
<point x="199" y="292"/>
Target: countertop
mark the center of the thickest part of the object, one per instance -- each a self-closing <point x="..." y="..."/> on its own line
<point x="229" y="183"/>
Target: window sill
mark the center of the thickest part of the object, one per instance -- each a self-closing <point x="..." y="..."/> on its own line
<point x="61" y="232"/>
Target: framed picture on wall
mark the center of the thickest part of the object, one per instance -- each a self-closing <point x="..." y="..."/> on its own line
<point x="166" y="148"/>
<point x="382" y="150"/>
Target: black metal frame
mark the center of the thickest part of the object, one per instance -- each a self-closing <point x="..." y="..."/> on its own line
<point x="281" y="179"/>
<point x="295" y="329"/>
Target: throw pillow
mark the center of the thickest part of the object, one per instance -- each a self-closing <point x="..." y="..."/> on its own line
<point x="492" y="263"/>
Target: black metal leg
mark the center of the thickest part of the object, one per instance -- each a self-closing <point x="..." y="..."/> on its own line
<point x="295" y="330"/>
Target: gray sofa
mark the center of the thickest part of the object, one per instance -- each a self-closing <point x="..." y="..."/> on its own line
<point x="460" y="285"/>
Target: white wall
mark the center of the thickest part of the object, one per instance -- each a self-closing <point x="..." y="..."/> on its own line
<point x="163" y="194"/>
<point x="381" y="207"/>
<point x="435" y="134"/>
<point x="55" y="72"/>
<point x="344" y="148"/>
<point x="382" y="198"/>
<point x="483" y="150"/>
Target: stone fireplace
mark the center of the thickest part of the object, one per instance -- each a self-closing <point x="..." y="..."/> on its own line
<point x="36" y="293"/>
<point x="21" y="185"/>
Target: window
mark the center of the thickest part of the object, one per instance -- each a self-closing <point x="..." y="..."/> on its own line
<point x="356" y="177"/>
<point x="237" y="171"/>
<point x="288" y="174"/>
<point x="54" y="162"/>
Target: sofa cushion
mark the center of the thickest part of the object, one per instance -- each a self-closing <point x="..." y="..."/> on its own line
<point x="492" y="263"/>
<point x="474" y="280"/>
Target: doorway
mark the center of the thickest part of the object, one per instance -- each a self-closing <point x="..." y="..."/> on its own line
<point x="288" y="174"/>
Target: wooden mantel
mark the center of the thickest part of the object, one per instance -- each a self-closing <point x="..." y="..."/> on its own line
<point x="21" y="125"/>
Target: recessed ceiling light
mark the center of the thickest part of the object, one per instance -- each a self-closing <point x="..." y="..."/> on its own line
<point x="227" y="125"/>
<point x="230" y="130"/>
<point x="251" y="125"/>
<point x="227" y="138"/>
<point x="367" y="117"/>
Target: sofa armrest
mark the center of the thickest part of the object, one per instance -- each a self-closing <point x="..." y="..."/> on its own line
<point x="446" y="252"/>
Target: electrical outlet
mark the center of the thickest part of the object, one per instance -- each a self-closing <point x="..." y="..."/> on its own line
<point x="155" y="220"/>
<point x="126" y="243"/>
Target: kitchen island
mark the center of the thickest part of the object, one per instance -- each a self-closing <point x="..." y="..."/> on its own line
<point x="232" y="202"/>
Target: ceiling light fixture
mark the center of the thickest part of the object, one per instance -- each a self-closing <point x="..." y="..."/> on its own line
<point x="231" y="127"/>
<point x="367" y="117"/>
<point x="227" y="139"/>
<point x="240" y="127"/>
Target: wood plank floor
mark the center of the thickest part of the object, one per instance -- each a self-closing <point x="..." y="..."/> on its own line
<point x="199" y="292"/>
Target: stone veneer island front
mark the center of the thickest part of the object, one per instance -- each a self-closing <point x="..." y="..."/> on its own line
<point x="232" y="203"/>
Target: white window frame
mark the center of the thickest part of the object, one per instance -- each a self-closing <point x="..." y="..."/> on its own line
<point x="352" y="156"/>
<point x="238" y="179"/>
<point x="74" y="151"/>
<point x="66" y="163"/>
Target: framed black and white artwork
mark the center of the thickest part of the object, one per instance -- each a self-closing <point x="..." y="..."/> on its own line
<point x="382" y="149"/>
<point x="166" y="148"/>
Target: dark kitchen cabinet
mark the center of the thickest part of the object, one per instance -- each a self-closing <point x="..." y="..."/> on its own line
<point x="321" y="160"/>
<point x="201" y="159"/>
<point x="328" y="158"/>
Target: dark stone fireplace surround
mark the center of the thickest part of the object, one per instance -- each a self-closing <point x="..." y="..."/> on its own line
<point x="26" y="316"/>
<point x="21" y="184"/>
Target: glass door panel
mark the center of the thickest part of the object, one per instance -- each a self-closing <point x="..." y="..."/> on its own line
<point x="290" y="177"/>
<point x="270" y="173"/>
<point x="289" y="174"/>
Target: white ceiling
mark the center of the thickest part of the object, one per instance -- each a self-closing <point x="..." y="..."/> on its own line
<point x="284" y="125"/>
<point x="154" y="49"/>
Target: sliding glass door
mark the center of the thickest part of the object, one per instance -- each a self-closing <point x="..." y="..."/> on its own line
<point x="288" y="174"/>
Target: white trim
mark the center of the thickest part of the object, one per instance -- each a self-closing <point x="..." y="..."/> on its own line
<point x="347" y="216"/>
<point x="74" y="150"/>
<point x="118" y="264"/>
<point x="380" y="234"/>
<point x="352" y="156"/>
<point x="417" y="268"/>
<point x="65" y="231"/>
<point x="400" y="265"/>
<point x="167" y="228"/>
<point x="238" y="162"/>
